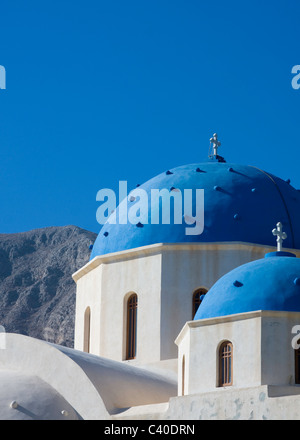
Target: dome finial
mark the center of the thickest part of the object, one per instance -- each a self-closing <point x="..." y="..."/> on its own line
<point x="280" y="236"/>
<point x="215" y="143"/>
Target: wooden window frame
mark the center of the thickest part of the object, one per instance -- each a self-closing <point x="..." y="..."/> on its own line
<point x="225" y="364"/>
<point x="131" y="332"/>
<point x="196" y="299"/>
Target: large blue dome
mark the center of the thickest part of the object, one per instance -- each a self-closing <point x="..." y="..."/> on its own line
<point x="271" y="283"/>
<point x="241" y="204"/>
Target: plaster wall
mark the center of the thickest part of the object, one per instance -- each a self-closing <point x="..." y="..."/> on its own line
<point x="262" y="350"/>
<point x="255" y="403"/>
<point x="105" y="288"/>
<point x="120" y="279"/>
<point x="185" y="268"/>
<point x="164" y="276"/>
<point x="88" y="294"/>
<point x="201" y="354"/>
<point x="183" y="364"/>
<point x="278" y="357"/>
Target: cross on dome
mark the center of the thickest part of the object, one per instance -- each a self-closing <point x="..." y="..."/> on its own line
<point x="280" y="235"/>
<point x="216" y="144"/>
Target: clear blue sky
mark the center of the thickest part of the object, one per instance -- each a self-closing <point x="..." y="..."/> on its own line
<point x="101" y="91"/>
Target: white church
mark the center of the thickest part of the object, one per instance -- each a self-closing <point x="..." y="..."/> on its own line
<point x="171" y="326"/>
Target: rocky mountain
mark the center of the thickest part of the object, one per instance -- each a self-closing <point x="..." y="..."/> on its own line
<point x="37" y="292"/>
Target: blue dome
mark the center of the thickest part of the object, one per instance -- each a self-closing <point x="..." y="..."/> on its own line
<point x="271" y="283"/>
<point x="241" y="204"/>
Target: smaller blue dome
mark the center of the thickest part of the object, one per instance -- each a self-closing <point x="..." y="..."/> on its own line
<point x="271" y="283"/>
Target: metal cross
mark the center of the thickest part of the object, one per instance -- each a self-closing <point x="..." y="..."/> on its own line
<point x="216" y="143"/>
<point x="280" y="236"/>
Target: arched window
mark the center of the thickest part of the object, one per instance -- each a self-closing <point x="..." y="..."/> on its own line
<point x="198" y="296"/>
<point x="87" y="330"/>
<point x="132" y="305"/>
<point x="225" y="364"/>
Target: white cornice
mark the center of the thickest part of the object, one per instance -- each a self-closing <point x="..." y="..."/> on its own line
<point x="165" y="247"/>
